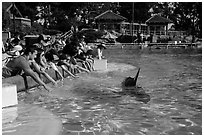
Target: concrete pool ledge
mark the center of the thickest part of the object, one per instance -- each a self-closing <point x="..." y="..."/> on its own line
<point x="9" y="95"/>
<point x="23" y="83"/>
<point x="25" y="119"/>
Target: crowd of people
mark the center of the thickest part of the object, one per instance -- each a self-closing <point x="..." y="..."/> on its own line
<point x="72" y="55"/>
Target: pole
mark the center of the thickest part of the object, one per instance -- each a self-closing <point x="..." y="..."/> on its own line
<point x="14" y="23"/>
<point x="49" y="10"/>
<point x="132" y="21"/>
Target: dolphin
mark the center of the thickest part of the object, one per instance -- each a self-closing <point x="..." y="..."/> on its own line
<point x="131" y="82"/>
<point x="129" y="86"/>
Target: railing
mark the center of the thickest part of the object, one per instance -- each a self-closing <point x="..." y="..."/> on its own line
<point x="94" y="45"/>
<point x="176" y="33"/>
<point x="120" y="44"/>
<point x="167" y="45"/>
<point x="67" y="34"/>
<point x="134" y="32"/>
<point x="158" y="32"/>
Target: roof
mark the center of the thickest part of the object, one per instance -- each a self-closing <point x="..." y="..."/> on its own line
<point x="109" y="15"/>
<point x="108" y="35"/>
<point x="19" y="18"/>
<point x="158" y="19"/>
<point x="7" y="6"/>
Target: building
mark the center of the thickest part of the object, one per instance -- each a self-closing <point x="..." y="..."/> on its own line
<point x="109" y="21"/>
<point x="134" y="28"/>
<point x="12" y="18"/>
<point x="22" y="21"/>
<point x="158" y="25"/>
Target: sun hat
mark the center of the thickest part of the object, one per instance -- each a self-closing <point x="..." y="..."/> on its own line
<point x="41" y="37"/>
<point x="15" y="51"/>
<point x="17" y="48"/>
<point x="89" y="48"/>
<point x="102" y="46"/>
<point x="62" y="57"/>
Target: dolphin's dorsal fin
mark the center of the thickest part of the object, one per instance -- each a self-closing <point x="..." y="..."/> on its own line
<point x="135" y="79"/>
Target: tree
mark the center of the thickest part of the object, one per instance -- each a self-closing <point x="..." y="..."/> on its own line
<point x="141" y="9"/>
<point x="28" y="9"/>
<point x="62" y="15"/>
<point x="189" y="16"/>
<point x="186" y="16"/>
<point x="5" y="20"/>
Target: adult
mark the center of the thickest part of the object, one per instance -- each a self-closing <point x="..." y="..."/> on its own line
<point x="82" y="54"/>
<point x="11" y="54"/>
<point x="39" y="66"/>
<point x="49" y="60"/>
<point x="100" y="49"/>
<point x="66" y="66"/>
<point x="42" y="43"/>
<point x="21" y="63"/>
<point x="139" y="39"/>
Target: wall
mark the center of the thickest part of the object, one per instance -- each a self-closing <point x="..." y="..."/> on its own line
<point x="21" y="83"/>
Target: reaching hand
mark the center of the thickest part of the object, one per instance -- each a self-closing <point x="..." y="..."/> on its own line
<point x="49" y="89"/>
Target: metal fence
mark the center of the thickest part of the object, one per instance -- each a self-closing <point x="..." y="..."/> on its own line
<point x="147" y="44"/>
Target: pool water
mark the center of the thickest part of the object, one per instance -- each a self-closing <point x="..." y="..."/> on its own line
<point x="96" y="104"/>
<point x="26" y="119"/>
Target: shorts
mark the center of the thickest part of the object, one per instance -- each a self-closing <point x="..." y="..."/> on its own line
<point x="6" y="72"/>
<point x="60" y="63"/>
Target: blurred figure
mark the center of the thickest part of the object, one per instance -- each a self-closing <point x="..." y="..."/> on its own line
<point x="21" y="64"/>
<point x="35" y="65"/>
<point x="100" y="49"/>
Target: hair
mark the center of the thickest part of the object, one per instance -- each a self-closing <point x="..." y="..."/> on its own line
<point x="40" y="38"/>
<point x="15" y="41"/>
<point x="29" y="50"/>
<point x="39" y="51"/>
<point x="49" y="56"/>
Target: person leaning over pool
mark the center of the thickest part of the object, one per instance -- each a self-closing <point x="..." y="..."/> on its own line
<point x="21" y="63"/>
<point x="37" y="65"/>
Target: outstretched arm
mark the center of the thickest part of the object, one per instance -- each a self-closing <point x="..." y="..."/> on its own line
<point x="31" y="73"/>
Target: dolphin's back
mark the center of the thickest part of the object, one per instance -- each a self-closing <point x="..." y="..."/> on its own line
<point x="128" y="82"/>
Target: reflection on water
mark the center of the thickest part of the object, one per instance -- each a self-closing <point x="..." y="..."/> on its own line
<point x="25" y="119"/>
<point x="170" y="103"/>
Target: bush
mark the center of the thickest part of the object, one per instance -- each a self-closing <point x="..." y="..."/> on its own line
<point x="35" y="29"/>
<point x="125" y="39"/>
<point x="91" y="35"/>
<point x="163" y="39"/>
<point x="51" y="32"/>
